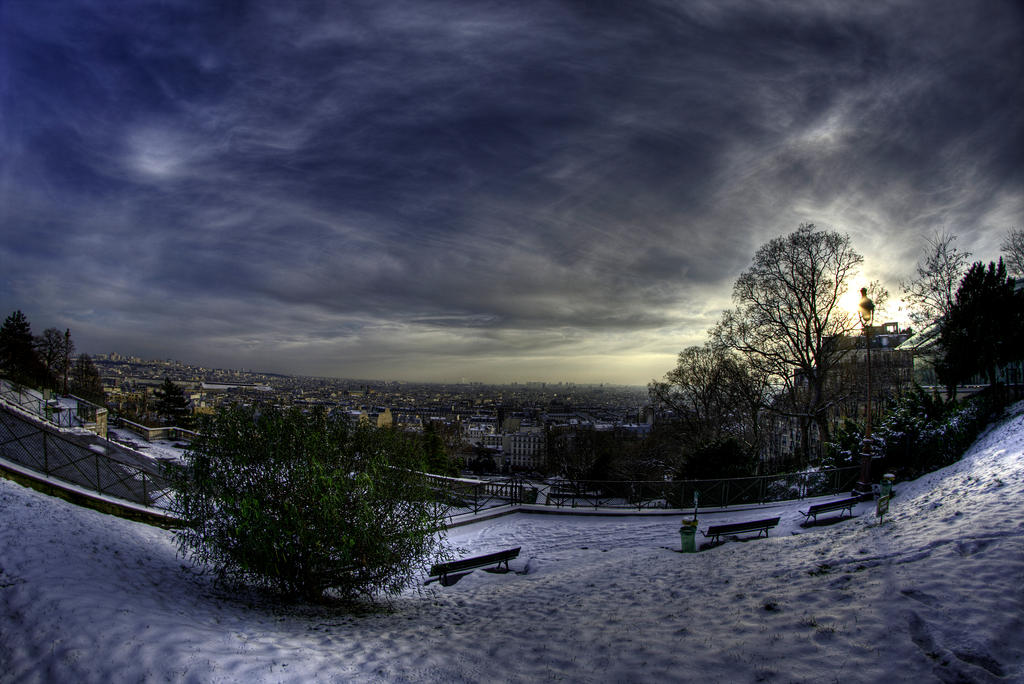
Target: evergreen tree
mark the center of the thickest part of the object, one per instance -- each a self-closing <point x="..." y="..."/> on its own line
<point x="85" y="380"/>
<point x="171" y="404"/>
<point x="983" y="328"/>
<point x="436" y="458"/>
<point x="19" y="361"/>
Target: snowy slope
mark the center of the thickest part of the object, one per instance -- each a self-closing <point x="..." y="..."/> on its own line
<point x="935" y="593"/>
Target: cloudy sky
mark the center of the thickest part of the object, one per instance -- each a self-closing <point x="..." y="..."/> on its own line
<point x="525" y="190"/>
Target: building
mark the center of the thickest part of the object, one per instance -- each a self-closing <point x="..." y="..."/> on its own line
<point x="892" y="374"/>
<point x="525" y="449"/>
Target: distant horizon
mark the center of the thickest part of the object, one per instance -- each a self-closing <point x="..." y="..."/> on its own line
<point x="368" y="380"/>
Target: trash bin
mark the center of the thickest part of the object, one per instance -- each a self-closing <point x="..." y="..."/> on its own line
<point x="887" y="481"/>
<point x="687" y="536"/>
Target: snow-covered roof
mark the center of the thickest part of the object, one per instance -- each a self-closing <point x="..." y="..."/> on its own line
<point x="921" y="340"/>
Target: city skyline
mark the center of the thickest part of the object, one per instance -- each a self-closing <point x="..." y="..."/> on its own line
<point x="179" y="364"/>
<point x="549" y="191"/>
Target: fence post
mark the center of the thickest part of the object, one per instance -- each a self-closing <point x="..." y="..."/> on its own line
<point x="96" y="460"/>
<point x="46" y="455"/>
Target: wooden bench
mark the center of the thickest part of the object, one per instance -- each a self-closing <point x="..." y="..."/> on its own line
<point x="715" y="531"/>
<point x="442" y="570"/>
<point x="837" y="505"/>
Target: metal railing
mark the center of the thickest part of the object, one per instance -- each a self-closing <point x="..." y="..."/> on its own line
<point x="29" y="444"/>
<point x="472" y="496"/>
<point x="88" y="466"/>
<point x="464" y="496"/>
<point x="46" y="405"/>
<point x="724" y="492"/>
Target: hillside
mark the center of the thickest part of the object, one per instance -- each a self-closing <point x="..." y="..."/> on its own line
<point x="934" y="593"/>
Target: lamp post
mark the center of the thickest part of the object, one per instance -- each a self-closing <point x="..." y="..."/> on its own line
<point x="866" y="312"/>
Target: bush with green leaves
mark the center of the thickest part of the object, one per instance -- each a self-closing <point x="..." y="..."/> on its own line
<point x="307" y="504"/>
<point x="921" y="433"/>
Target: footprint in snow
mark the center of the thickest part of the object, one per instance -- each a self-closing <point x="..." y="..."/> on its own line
<point x="921" y="597"/>
<point x="946" y="668"/>
<point x="969" y="548"/>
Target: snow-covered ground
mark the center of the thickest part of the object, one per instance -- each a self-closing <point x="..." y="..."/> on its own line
<point x="933" y="593"/>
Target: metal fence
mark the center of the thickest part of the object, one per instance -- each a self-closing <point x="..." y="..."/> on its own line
<point x="474" y="496"/>
<point x="471" y="496"/>
<point x="640" y="495"/>
<point x="35" y="447"/>
<point x="45" y="405"/>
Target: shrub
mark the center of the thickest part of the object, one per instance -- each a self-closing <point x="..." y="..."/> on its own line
<point x="845" y="447"/>
<point x="305" y="503"/>
<point x="921" y="434"/>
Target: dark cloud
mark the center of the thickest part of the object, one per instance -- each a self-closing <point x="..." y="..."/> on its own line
<point x="494" y="190"/>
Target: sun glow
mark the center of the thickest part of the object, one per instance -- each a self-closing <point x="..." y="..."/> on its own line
<point x="851" y="299"/>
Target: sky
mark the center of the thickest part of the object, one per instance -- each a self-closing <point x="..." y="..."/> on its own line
<point x="488" y="191"/>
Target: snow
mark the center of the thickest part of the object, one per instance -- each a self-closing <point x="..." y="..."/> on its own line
<point x="933" y="593"/>
<point x="158" y="449"/>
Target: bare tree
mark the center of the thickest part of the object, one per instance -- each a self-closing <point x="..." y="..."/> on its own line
<point x="55" y="349"/>
<point x="694" y="391"/>
<point x="85" y="380"/>
<point x="788" y="320"/>
<point x="931" y="292"/>
<point x="713" y="397"/>
<point x="1013" y="250"/>
<point x="705" y="393"/>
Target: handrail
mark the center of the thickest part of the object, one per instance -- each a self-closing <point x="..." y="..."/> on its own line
<point x="56" y="455"/>
<point x="470" y="495"/>
<point x="49" y="408"/>
<point x="87" y="465"/>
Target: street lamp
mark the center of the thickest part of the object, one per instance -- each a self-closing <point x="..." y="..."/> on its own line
<point x="866" y="312"/>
